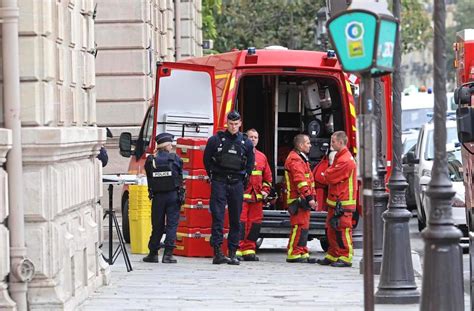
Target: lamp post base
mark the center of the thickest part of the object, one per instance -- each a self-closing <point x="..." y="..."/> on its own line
<point x="398" y="296"/>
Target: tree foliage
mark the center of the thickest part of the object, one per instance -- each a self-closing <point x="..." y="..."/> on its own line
<point x="415" y="26"/>
<point x="291" y="23"/>
<point x="245" y="23"/>
<point x="210" y="9"/>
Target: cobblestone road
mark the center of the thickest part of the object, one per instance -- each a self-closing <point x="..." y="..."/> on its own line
<point x="271" y="284"/>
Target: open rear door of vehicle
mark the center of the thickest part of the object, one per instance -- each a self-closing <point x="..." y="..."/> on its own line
<point x="185" y="100"/>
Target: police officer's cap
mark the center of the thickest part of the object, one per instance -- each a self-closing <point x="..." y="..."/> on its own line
<point x="163" y="139"/>
<point x="233" y="116"/>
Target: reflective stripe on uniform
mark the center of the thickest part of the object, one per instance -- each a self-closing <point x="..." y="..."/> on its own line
<point x="302" y="184"/>
<point x="259" y="173"/>
<point x="267" y="184"/>
<point x="248" y="252"/>
<point x="348" y="259"/>
<point x="249" y="196"/>
<point x="288" y="188"/>
<point x="238" y="253"/>
<point x="331" y="258"/>
<point x="351" y="200"/>
<point x="306" y="175"/>
<point x="292" y="241"/>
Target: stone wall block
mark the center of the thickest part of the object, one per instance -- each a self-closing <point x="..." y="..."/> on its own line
<point x="109" y="112"/>
<point x="60" y="22"/>
<point x="89" y="71"/>
<point x="37" y="239"/>
<point x="122" y="62"/>
<point x="129" y="88"/>
<point x="3" y="195"/>
<point x="5" y="248"/>
<point x="37" y="196"/>
<point x="116" y="36"/>
<point x="123" y="11"/>
<point x="187" y="29"/>
<point x="36" y="17"/>
<point x="37" y="59"/>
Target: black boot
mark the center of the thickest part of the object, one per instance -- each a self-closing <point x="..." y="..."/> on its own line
<point x="151" y="257"/>
<point x="233" y="258"/>
<point x="219" y="257"/>
<point x="168" y="256"/>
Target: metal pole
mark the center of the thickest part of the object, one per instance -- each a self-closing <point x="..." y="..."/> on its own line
<point x="380" y="195"/>
<point x="177" y="29"/>
<point x="11" y="100"/>
<point x="443" y="287"/>
<point x="366" y="168"/>
<point x="397" y="281"/>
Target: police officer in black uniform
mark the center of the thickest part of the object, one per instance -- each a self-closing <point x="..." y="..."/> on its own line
<point x="229" y="160"/>
<point x="165" y="186"/>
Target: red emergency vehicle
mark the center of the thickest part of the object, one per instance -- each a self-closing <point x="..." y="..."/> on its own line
<point x="464" y="98"/>
<point x="279" y="92"/>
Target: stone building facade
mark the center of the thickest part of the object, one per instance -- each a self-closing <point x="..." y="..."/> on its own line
<point x="67" y="96"/>
<point x="131" y="36"/>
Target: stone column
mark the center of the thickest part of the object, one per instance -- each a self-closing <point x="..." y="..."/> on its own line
<point x="6" y="303"/>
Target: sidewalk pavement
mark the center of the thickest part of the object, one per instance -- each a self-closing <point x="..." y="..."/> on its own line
<point x="271" y="284"/>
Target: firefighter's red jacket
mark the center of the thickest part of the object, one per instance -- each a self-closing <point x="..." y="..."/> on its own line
<point x="260" y="180"/>
<point x="321" y="187"/>
<point x="298" y="177"/>
<point x="341" y="178"/>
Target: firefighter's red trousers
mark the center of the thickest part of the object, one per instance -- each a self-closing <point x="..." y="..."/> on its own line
<point x="250" y="223"/>
<point x="297" y="244"/>
<point x="340" y="239"/>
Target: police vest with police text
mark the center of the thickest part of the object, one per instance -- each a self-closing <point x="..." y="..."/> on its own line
<point x="163" y="177"/>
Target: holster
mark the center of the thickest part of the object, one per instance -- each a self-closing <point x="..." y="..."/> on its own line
<point x="181" y="196"/>
<point x="338" y="210"/>
<point x="293" y="207"/>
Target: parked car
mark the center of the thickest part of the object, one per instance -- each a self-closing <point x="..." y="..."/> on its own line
<point x="409" y="139"/>
<point x="419" y="159"/>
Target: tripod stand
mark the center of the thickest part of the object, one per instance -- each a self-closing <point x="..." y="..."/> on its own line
<point x="113" y="254"/>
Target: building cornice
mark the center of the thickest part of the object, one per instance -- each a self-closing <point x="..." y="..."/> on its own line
<point x="55" y="144"/>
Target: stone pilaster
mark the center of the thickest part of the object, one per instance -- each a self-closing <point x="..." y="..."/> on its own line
<point x="6" y="303"/>
<point x="61" y="175"/>
<point x="62" y="184"/>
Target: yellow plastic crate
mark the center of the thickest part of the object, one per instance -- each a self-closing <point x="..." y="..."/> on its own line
<point x="139" y="214"/>
<point x="138" y="197"/>
<point x="140" y="232"/>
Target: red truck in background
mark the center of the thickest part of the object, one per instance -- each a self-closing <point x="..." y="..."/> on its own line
<point x="279" y="92"/>
<point x="464" y="98"/>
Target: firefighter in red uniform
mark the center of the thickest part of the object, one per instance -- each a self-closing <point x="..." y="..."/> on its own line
<point x="252" y="209"/>
<point x="300" y="198"/>
<point x="342" y="186"/>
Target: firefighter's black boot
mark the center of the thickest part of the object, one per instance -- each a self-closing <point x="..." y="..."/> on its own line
<point x="151" y="257"/>
<point x="219" y="257"/>
<point x="168" y="256"/>
<point x="233" y="258"/>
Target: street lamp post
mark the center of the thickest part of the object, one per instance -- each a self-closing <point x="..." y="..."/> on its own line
<point x="364" y="37"/>
<point x="442" y="270"/>
<point x="378" y="184"/>
<point x="380" y="194"/>
<point x="397" y="281"/>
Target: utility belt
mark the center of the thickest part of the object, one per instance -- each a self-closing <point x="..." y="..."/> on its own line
<point x="297" y="204"/>
<point x="338" y="212"/>
<point x="227" y="178"/>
